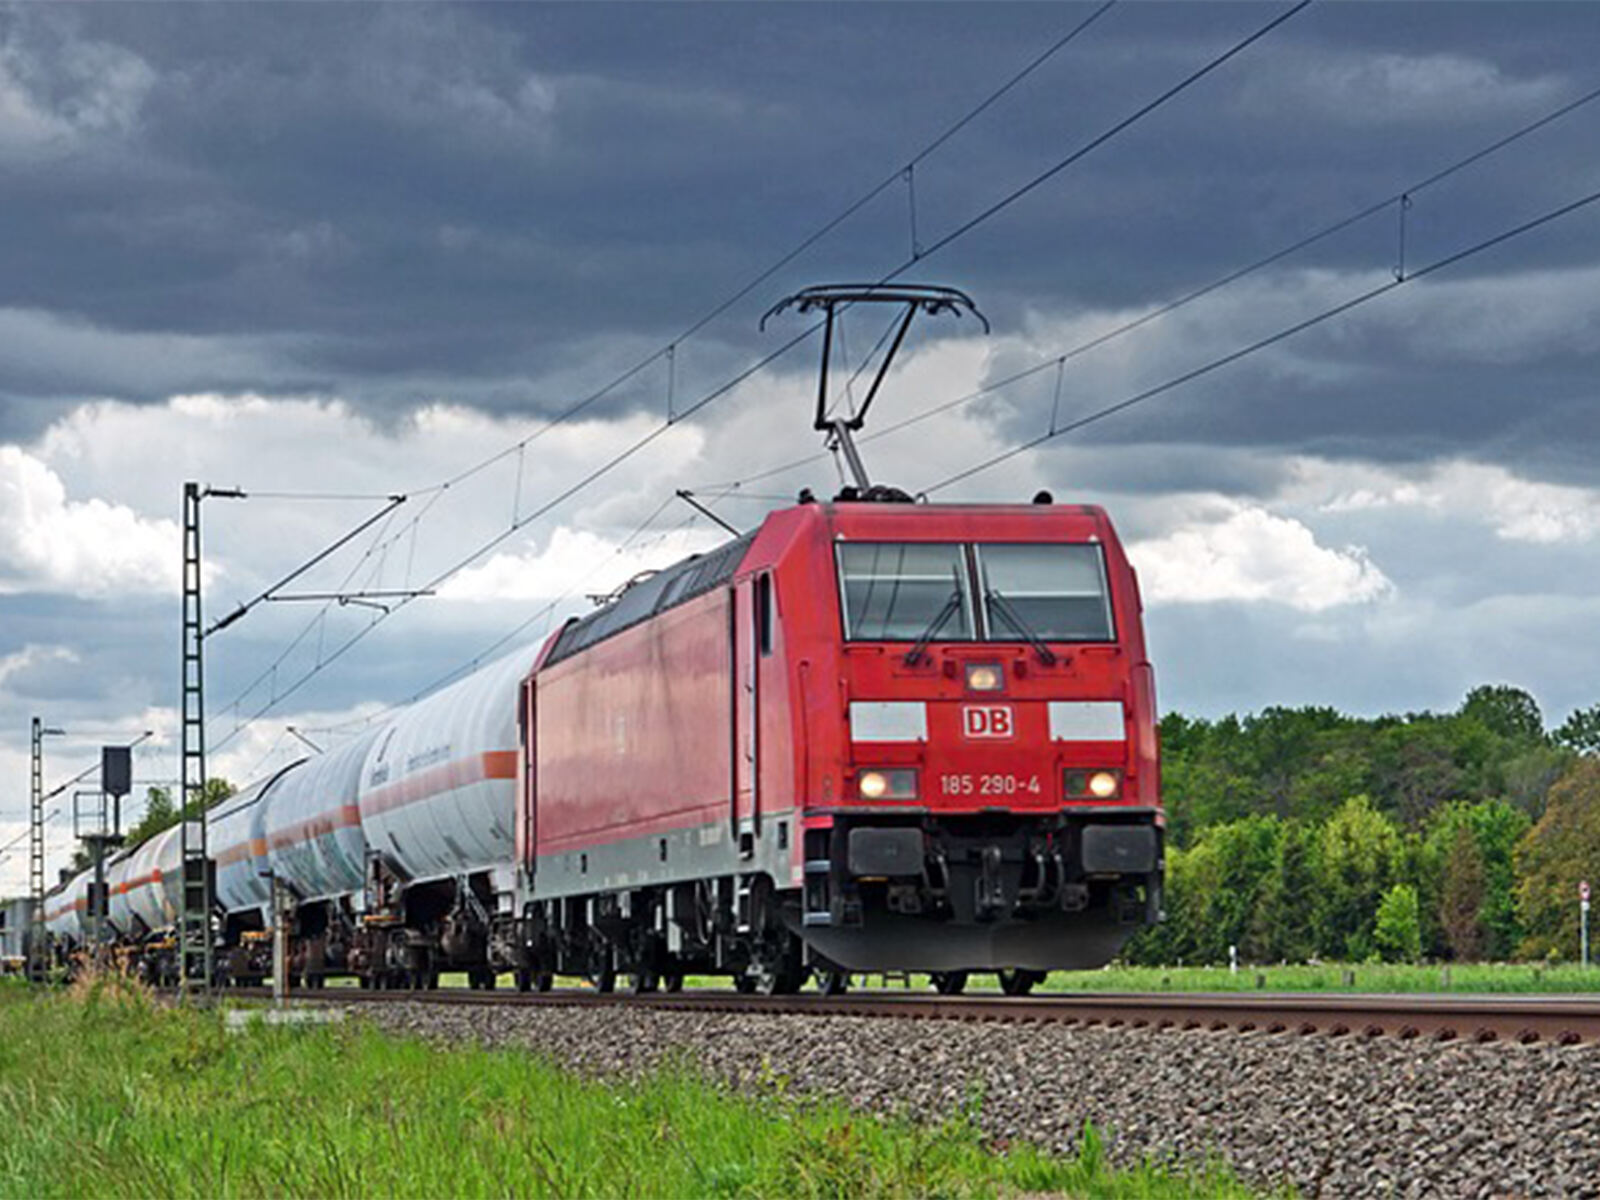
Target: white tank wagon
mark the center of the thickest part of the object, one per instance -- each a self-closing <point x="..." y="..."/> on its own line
<point x="236" y="838"/>
<point x="316" y="848"/>
<point x="119" y="913"/>
<point x="155" y="879"/>
<point x="315" y="843"/>
<point x="65" y="910"/>
<point x="438" y="794"/>
<point x="438" y="806"/>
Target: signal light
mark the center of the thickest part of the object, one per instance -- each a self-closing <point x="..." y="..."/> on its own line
<point x="887" y="785"/>
<point x="985" y="677"/>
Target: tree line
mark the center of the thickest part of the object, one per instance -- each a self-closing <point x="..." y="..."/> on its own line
<point x="1300" y="833"/>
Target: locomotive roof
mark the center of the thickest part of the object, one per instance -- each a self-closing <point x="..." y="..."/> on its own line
<point x="699" y="573"/>
<point x="667" y="588"/>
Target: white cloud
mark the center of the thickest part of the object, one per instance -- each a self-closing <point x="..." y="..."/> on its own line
<point x="31" y="656"/>
<point x="85" y="547"/>
<point x="1516" y="509"/>
<point x="1360" y="87"/>
<point x="573" y="564"/>
<point x="1243" y="552"/>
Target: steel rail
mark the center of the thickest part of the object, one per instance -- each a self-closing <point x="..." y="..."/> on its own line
<point x="1563" y="1020"/>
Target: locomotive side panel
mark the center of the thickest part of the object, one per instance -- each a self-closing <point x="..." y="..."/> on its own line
<point x="633" y="743"/>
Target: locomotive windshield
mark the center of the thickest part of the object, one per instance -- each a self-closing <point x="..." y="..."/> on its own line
<point x="914" y="591"/>
<point x="1051" y="591"/>
<point x="895" y="591"/>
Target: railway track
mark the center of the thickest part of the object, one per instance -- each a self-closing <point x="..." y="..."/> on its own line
<point x="1562" y="1020"/>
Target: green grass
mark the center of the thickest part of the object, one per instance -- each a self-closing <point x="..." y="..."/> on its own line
<point x="1464" y="978"/>
<point x="106" y="1094"/>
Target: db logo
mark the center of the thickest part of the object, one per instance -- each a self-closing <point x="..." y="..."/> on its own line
<point x="986" y="721"/>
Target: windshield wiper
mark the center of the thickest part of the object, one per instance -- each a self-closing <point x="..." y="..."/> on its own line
<point x="1046" y="655"/>
<point x="915" y="654"/>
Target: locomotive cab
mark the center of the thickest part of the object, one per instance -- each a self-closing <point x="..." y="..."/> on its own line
<point x="991" y="800"/>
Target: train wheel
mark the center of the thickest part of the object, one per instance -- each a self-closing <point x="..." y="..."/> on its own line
<point x="605" y="982"/>
<point x="832" y="981"/>
<point x="643" y="982"/>
<point x="543" y="981"/>
<point x="1019" y="982"/>
<point x="950" y="983"/>
<point x="524" y="979"/>
<point x="672" y="982"/>
<point x="745" y="985"/>
<point x="784" y="979"/>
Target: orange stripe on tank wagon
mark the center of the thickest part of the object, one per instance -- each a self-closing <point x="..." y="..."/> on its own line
<point x="447" y="777"/>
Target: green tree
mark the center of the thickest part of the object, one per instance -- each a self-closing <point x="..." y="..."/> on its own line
<point x="1506" y="711"/>
<point x="1397" y="932"/>
<point x="158" y="815"/>
<point x="1359" y="856"/>
<point x="1553" y="856"/>
<point x="1281" y="927"/>
<point x="1581" y="731"/>
<point x="1461" y="896"/>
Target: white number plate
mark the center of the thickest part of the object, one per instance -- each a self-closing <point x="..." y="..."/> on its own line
<point x="989" y="785"/>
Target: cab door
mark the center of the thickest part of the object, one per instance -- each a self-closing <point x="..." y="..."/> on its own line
<point x="750" y="611"/>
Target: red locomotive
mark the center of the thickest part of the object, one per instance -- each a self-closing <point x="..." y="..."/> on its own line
<point x="868" y="736"/>
<point x="871" y="735"/>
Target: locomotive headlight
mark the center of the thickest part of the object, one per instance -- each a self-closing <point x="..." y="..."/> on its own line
<point x="1102" y="785"/>
<point x="887" y="784"/>
<point x="984" y="677"/>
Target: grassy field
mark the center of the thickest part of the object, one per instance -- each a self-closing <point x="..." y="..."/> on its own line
<point x="1335" y="977"/>
<point x="105" y="1094"/>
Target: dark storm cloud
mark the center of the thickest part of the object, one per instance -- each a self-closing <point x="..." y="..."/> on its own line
<point x="507" y="205"/>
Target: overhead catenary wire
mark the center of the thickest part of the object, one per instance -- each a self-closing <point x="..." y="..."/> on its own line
<point x="1260" y="344"/>
<point x="1183" y="300"/>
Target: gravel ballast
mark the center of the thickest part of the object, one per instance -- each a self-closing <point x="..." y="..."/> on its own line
<point x="1335" y="1116"/>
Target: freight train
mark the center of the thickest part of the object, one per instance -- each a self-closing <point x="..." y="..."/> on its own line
<point x="870" y="735"/>
<point x="867" y="736"/>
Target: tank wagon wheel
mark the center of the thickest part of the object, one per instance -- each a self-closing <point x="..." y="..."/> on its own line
<point x="643" y="982"/>
<point x="524" y="978"/>
<point x="605" y="981"/>
<point x="833" y="981"/>
<point x="950" y="983"/>
<point x="672" y="981"/>
<point x="745" y="985"/>
<point x="1019" y="982"/>
<point x="781" y="978"/>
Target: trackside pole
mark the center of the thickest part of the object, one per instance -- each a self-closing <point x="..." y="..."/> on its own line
<point x="281" y="906"/>
<point x="1583" y="921"/>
